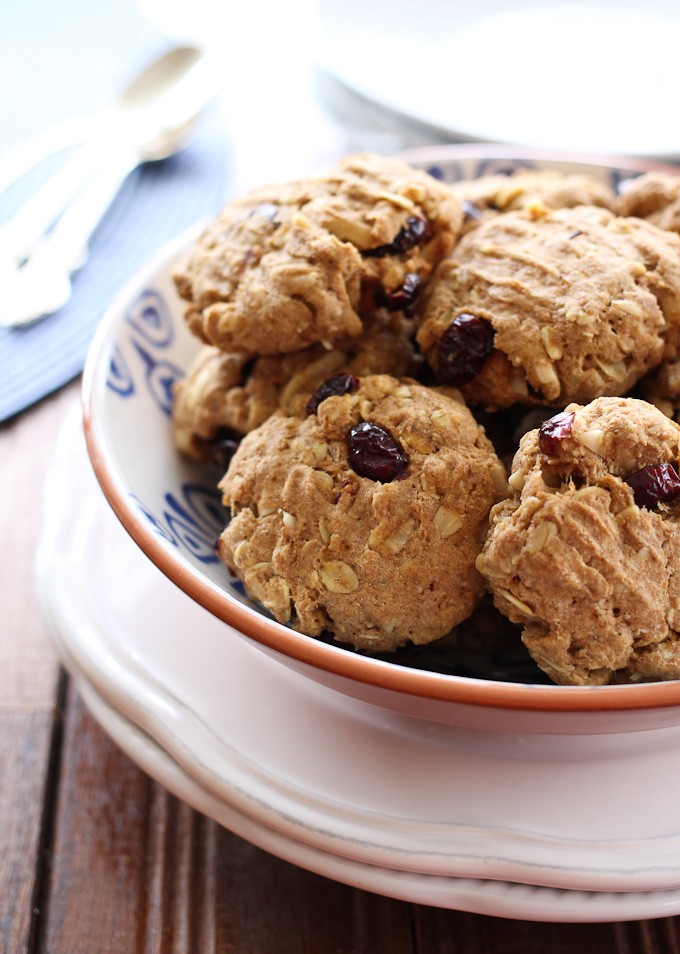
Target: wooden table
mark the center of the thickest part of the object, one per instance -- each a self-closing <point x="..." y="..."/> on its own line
<point x="96" y="857"/>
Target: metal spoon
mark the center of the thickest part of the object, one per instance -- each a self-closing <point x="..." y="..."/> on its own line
<point x="155" y="117"/>
<point x="73" y="130"/>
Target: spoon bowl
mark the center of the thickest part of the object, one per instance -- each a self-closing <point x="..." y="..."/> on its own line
<point x="163" y="73"/>
<point x="155" y="116"/>
<point x="158" y="110"/>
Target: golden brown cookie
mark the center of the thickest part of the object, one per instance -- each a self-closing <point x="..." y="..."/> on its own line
<point x="586" y="553"/>
<point x="226" y="395"/>
<point x="364" y="518"/>
<point x="291" y="265"/>
<point x="654" y="196"/>
<point x="565" y="307"/>
<point x="536" y="192"/>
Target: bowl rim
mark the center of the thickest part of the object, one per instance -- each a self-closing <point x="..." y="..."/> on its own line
<point x="334" y="660"/>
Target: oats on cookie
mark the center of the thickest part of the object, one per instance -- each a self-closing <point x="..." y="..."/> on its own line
<point x="536" y="192"/>
<point x="363" y="518"/>
<point x="586" y="552"/>
<point x="291" y="265"/>
<point x="654" y="196"/>
<point x="226" y="395"/>
<point x="566" y="307"/>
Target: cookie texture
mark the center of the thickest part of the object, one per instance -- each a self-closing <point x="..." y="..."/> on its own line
<point x="375" y="560"/>
<point x="536" y="192"/>
<point x="568" y="306"/>
<point x="230" y="393"/>
<point x="585" y="552"/>
<point x="291" y="265"/>
<point x="654" y="196"/>
<point x="374" y="509"/>
<point x="662" y="388"/>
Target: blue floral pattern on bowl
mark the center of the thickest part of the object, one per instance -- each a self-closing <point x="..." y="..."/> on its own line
<point x="193" y="523"/>
<point x="151" y="331"/>
<point x="191" y="516"/>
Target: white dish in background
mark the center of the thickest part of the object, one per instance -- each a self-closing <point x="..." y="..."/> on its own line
<point x="523" y="826"/>
<point x="564" y="76"/>
<point x="172" y="509"/>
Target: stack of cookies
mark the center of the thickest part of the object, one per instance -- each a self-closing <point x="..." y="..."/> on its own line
<point x="357" y="328"/>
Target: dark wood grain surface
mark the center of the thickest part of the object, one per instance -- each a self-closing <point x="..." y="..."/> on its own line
<point x="96" y="857"/>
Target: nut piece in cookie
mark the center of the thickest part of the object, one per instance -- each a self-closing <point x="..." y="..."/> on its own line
<point x="291" y="265"/>
<point x="654" y="196"/>
<point x="536" y="192"/>
<point x="226" y="395"/>
<point x="566" y="307"/>
<point x="364" y="517"/>
<point x="586" y="552"/>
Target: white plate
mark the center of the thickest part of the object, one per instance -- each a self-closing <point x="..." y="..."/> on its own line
<point x="564" y="76"/>
<point x="489" y="822"/>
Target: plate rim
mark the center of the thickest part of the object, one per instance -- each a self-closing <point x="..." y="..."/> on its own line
<point x="489" y="897"/>
<point x="526" y="850"/>
<point x="329" y="67"/>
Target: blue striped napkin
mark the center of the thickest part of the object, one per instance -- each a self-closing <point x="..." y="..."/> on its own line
<point x="61" y="60"/>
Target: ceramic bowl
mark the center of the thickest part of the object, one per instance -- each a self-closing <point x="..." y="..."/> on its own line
<point x="172" y="509"/>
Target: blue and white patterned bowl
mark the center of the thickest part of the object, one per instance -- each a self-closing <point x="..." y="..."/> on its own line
<point x="172" y="509"/>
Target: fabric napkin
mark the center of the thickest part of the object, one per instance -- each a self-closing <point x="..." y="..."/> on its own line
<point x="61" y="60"/>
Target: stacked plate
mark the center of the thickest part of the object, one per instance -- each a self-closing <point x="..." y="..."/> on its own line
<point x="502" y="823"/>
<point x="595" y="78"/>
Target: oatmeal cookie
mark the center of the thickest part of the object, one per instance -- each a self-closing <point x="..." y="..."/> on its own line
<point x="364" y="517"/>
<point x="537" y="192"/>
<point x="291" y="265"/>
<point x="226" y="395"/>
<point x="654" y="196"/>
<point x="586" y="553"/>
<point x="565" y="307"/>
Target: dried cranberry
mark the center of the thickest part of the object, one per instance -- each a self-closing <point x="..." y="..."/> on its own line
<point x="222" y="447"/>
<point x="374" y="453"/>
<point x="464" y="348"/>
<point x="552" y="432"/>
<point x="655" y="484"/>
<point x="415" y="231"/>
<point x="343" y="383"/>
<point x="402" y="299"/>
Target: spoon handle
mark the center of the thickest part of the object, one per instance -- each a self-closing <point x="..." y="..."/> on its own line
<point x="41" y="283"/>
<point x="69" y="239"/>
<point x="31" y="152"/>
<point x="26" y="228"/>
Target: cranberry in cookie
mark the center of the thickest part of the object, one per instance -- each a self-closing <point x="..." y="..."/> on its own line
<point x="291" y="265"/>
<point x="562" y="307"/>
<point x="225" y="395"/>
<point x="364" y="517"/>
<point x="586" y="552"/>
